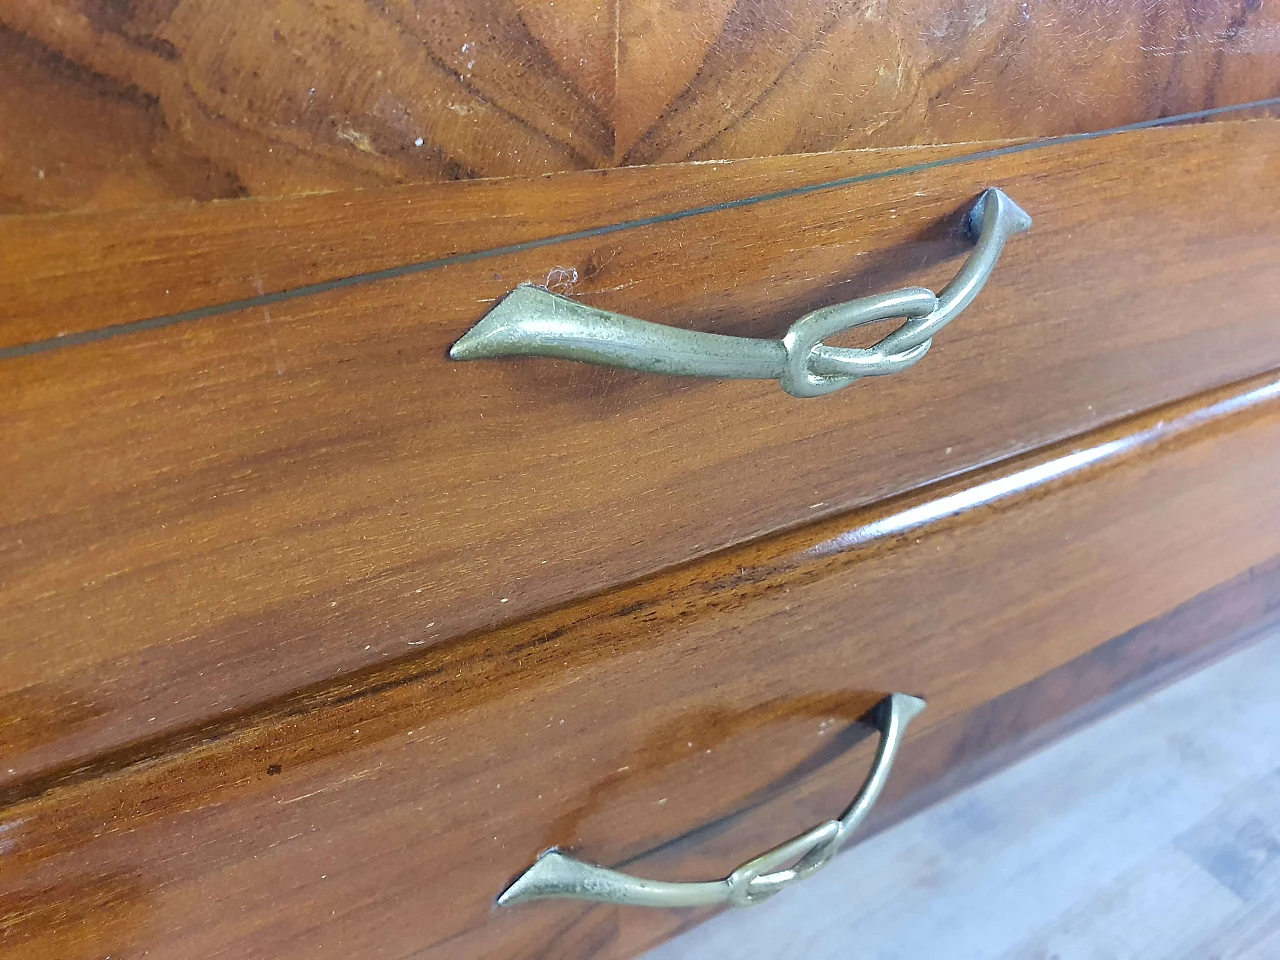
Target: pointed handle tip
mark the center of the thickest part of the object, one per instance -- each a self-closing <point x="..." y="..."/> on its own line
<point x="536" y="882"/>
<point x="1014" y="219"/>
<point x="907" y="706"/>
<point x="466" y="348"/>
<point x="503" y="331"/>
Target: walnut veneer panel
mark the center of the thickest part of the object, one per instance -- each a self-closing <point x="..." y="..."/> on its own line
<point x="713" y="78"/>
<point x="114" y="104"/>
<point x="675" y="725"/>
<point x="207" y="515"/>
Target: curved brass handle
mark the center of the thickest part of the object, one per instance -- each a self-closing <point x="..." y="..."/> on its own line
<point x="531" y="321"/>
<point x="560" y="876"/>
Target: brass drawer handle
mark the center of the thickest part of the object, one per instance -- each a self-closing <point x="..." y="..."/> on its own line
<point x="534" y="322"/>
<point x="560" y="876"/>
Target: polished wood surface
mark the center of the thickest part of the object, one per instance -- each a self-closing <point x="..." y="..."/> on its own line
<point x="88" y="272"/>
<point x="210" y="514"/>
<point x="311" y="639"/>
<point x="698" y="715"/>
<point x="106" y="104"/>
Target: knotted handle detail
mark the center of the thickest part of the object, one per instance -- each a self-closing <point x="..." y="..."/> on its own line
<point x="531" y="321"/>
<point x="556" y="875"/>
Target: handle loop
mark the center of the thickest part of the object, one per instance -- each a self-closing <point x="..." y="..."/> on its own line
<point x="531" y="321"/>
<point x="556" y="875"/>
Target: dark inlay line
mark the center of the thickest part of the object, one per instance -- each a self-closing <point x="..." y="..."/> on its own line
<point x="391" y="273"/>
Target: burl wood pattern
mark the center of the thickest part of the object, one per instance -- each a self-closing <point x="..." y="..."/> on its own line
<point x="112" y="104"/>
<point x="204" y="516"/>
<point x="673" y="726"/>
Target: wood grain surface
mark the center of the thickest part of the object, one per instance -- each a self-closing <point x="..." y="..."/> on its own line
<point x="68" y="274"/>
<point x="207" y="515"/>
<point x="107" y="104"/>
<point x="697" y="716"/>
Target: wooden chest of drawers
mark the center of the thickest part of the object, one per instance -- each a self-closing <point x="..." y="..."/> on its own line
<point x="314" y="638"/>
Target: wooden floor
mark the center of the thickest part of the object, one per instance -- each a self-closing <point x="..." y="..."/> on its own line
<point x="1154" y="834"/>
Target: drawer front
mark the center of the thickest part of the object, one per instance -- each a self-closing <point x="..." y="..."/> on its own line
<point x="672" y="727"/>
<point x="144" y="103"/>
<point x="211" y="513"/>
